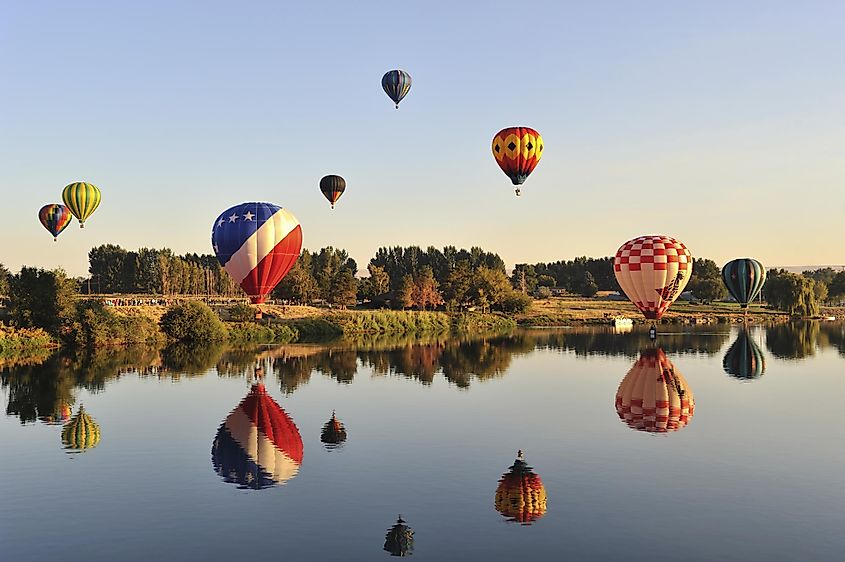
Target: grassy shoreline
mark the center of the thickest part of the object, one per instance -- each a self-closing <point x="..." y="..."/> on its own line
<point x="305" y="324"/>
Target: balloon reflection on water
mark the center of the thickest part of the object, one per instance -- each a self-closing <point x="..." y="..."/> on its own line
<point x="80" y="433"/>
<point x="521" y="496"/>
<point x="258" y="445"/>
<point x="399" y="540"/>
<point x="744" y="358"/>
<point x="333" y="434"/>
<point x="654" y="396"/>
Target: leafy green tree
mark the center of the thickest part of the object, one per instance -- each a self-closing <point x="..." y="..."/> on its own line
<point x="791" y="293"/>
<point x="192" y="321"/>
<point x="585" y="285"/>
<point x="547" y="281"/>
<point x="106" y="265"/>
<point x="343" y="289"/>
<point x="379" y="279"/>
<point x="706" y="281"/>
<point x="457" y="287"/>
<point x="824" y="274"/>
<point x="524" y="278"/>
<point x="515" y="302"/>
<point x="150" y="277"/>
<point x="490" y="286"/>
<point x="42" y="299"/>
<point x="820" y="290"/>
<point x="405" y="295"/>
<point x="836" y="287"/>
<point x="299" y="284"/>
<point x="710" y="290"/>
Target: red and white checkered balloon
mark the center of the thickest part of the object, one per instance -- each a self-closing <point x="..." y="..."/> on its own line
<point x="653" y="271"/>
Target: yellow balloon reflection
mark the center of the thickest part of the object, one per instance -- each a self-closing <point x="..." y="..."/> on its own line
<point x="521" y="496"/>
<point x="80" y="433"/>
<point x="654" y="396"/>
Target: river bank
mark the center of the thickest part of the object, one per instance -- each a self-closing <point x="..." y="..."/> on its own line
<point x="307" y="324"/>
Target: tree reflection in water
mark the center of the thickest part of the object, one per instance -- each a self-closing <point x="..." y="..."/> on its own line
<point x="43" y="386"/>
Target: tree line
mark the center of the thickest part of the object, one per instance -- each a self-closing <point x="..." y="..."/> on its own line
<point x="416" y="278"/>
<point x="405" y="277"/>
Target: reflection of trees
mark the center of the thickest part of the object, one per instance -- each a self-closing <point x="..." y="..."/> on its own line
<point x="41" y="389"/>
<point x="833" y="333"/>
<point x="191" y="359"/>
<point x="793" y="340"/>
<point x="604" y="341"/>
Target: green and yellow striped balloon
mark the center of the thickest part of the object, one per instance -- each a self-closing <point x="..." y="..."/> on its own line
<point x="82" y="199"/>
<point x="81" y="432"/>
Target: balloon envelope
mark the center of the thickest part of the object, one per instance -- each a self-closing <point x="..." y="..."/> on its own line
<point x="652" y="272"/>
<point x="82" y="199"/>
<point x="80" y="433"/>
<point x="55" y="218"/>
<point x="744" y="358"/>
<point x="258" y="445"/>
<point x="396" y="84"/>
<point x="257" y="244"/>
<point x="654" y="396"/>
<point x="521" y="496"/>
<point x="332" y="187"/>
<point x="517" y="151"/>
<point x="744" y="278"/>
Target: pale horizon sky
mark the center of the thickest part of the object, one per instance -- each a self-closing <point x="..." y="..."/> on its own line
<point x="721" y="124"/>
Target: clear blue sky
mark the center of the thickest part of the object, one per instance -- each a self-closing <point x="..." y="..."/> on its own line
<point x="719" y="123"/>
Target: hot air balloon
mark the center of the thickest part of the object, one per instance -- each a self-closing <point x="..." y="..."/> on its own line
<point x="333" y="434"/>
<point x="257" y="244"/>
<point x="521" y="496"/>
<point x="55" y="218"/>
<point x="82" y="199"/>
<point x="653" y="271"/>
<point x="654" y="396"/>
<point x="399" y="540"/>
<point x="396" y="84"/>
<point x="80" y="433"/>
<point x="517" y="151"/>
<point x="744" y="359"/>
<point x="744" y="278"/>
<point x="257" y="445"/>
<point x="332" y="187"/>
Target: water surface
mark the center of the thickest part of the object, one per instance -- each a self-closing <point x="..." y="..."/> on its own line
<point x="179" y="457"/>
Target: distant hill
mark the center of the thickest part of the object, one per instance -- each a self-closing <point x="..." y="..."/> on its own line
<point x="801" y="268"/>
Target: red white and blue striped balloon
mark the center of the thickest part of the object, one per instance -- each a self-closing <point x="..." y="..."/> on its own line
<point x="258" y="445"/>
<point x="257" y="244"/>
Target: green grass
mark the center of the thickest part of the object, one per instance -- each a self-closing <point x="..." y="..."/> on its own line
<point x="15" y="341"/>
<point x="255" y="333"/>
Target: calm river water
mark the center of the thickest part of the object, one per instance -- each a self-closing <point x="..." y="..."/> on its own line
<point x="716" y="444"/>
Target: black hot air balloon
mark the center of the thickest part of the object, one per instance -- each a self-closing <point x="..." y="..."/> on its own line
<point x="744" y="278"/>
<point x="332" y="187"/>
<point x="396" y="84"/>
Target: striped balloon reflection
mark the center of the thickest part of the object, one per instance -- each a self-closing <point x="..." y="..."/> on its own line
<point x="654" y="396"/>
<point x="258" y="445"/>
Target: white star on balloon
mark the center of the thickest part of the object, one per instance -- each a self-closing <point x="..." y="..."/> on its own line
<point x="233" y="217"/>
<point x="216" y="249"/>
<point x="220" y="222"/>
<point x="248" y="216"/>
